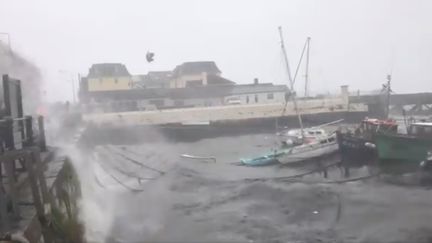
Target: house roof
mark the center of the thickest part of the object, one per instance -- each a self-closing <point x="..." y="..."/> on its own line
<point x="196" y="67"/>
<point x="213" y="79"/>
<point x="108" y="70"/>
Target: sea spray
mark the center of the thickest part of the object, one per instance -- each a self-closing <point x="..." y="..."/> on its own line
<point x="114" y="203"/>
<point x="17" y="66"/>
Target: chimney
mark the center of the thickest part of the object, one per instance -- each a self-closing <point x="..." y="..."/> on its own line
<point x="255" y="81"/>
<point x="345" y="94"/>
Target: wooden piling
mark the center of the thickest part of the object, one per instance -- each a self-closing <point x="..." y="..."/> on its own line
<point x="32" y="174"/>
<point x="4" y="217"/>
<point x="42" y="140"/>
<point x="29" y="130"/>
<point x="46" y="196"/>
<point x="10" y="173"/>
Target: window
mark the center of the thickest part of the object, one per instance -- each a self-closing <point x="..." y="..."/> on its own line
<point x="256" y="98"/>
<point x="194" y="83"/>
<point x="270" y="96"/>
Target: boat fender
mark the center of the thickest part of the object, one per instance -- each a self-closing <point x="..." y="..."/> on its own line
<point x="289" y="142"/>
<point x="370" y="145"/>
<point x="423" y="164"/>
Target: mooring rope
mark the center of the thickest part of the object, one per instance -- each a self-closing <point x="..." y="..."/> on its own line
<point x="118" y="181"/>
<point x="139" y="163"/>
<point x="126" y="172"/>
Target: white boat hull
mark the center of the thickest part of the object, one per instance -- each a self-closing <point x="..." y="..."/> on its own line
<point x="308" y="151"/>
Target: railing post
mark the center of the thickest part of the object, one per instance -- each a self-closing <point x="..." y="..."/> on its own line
<point x="29" y="130"/>
<point x="42" y="141"/>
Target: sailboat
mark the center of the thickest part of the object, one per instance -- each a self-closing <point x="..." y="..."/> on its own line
<point x="303" y="144"/>
<point x="321" y="144"/>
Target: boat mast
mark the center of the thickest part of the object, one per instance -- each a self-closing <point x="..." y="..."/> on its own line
<point x="388" y="95"/>
<point x="306" y="93"/>
<point x="290" y="81"/>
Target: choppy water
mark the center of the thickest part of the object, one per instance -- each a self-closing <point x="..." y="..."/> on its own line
<point x="194" y="201"/>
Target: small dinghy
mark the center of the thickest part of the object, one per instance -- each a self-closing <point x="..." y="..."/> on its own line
<point x="268" y="159"/>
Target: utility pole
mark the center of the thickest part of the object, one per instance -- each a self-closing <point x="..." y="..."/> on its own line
<point x="72" y="80"/>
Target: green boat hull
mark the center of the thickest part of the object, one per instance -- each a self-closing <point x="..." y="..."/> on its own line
<point x="402" y="147"/>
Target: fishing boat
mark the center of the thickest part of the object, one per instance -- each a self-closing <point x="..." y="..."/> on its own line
<point x="412" y="147"/>
<point x="359" y="145"/>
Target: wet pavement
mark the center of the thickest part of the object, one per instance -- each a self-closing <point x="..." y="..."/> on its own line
<point x="147" y="192"/>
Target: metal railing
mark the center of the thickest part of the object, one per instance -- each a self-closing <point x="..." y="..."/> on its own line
<point x="18" y="133"/>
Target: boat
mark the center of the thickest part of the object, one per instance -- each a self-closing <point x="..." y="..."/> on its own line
<point x="312" y="142"/>
<point x="268" y="159"/>
<point x="359" y="145"/>
<point x="319" y="148"/>
<point x="299" y="144"/>
<point x="294" y="137"/>
<point x="412" y="146"/>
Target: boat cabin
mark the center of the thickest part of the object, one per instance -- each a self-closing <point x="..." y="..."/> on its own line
<point x="308" y="132"/>
<point x="420" y="129"/>
<point x="373" y="125"/>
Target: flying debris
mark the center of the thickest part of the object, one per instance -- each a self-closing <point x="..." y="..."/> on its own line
<point x="149" y="56"/>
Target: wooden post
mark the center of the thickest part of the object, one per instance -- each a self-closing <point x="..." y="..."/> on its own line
<point x="4" y="217"/>
<point x="46" y="196"/>
<point x="37" y="198"/>
<point x="10" y="172"/>
<point x="9" y="136"/>
<point x="29" y="130"/>
<point x="42" y="141"/>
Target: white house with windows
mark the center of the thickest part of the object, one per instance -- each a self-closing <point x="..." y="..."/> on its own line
<point x="256" y="94"/>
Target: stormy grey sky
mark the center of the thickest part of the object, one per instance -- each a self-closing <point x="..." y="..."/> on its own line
<point x="353" y="42"/>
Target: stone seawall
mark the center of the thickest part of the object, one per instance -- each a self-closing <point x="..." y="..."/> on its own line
<point x="200" y="115"/>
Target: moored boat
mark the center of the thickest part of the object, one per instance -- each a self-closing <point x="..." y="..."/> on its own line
<point x="359" y="145"/>
<point x="412" y="146"/>
<point x="268" y="159"/>
<point x="321" y="147"/>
